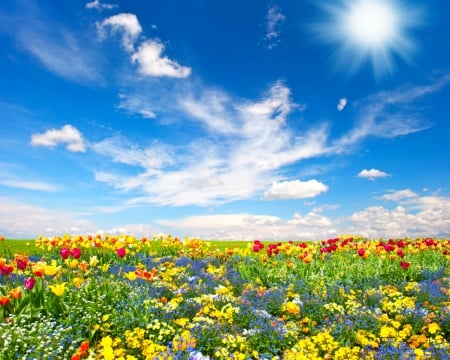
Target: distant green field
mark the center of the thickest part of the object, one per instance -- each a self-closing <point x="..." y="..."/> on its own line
<point x="8" y="246"/>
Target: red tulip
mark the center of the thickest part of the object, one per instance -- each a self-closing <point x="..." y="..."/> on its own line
<point x="21" y="264"/>
<point x="121" y="252"/>
<point x="6" y="269"/>
<point x="404" y="264"/>
<point x="4" y="300"/>
<point x="76" y="253"/>
<point x="64" y="252"/>
<point x="29" y="283"/>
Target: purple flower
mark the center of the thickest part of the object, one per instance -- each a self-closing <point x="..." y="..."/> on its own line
<point x="29" y="283"/>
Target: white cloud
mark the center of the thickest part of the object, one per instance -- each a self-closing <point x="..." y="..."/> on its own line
<point x="274" y="19"/>
<point x="413" y="216"/>
<point x="136" y="104"/>
<point x="124" y="23"/>
<point x="389" y="114"/>
<point x="28" y="185"/>
<point x="244" y="226"/>
<point x="251" y="143"/>
<point x="242" y="148"/>
<point x="400" y="195"/>
<point x="120" y="150"/>
<point x="276" y="105"/>
<point x="29" y="221"/>
<point x="372" y="174"/>
<point x="137" y="230"/>
<point x="61" y="51"/>
<point x="295" y="189"/>
<point x="342" y="103"/>
<point x="211" y="109"/>
<point x="152" y="63"/>
<point x="96" y="4"/>
<point x="426" y="216"/>
<point x="66" y="135"/>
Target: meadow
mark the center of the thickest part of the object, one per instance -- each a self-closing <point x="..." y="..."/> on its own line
<point x="120" y="297"/>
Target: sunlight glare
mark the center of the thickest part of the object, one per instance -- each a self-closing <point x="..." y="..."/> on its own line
<point x="371" y="23"/>
<point x="368" y="32"/>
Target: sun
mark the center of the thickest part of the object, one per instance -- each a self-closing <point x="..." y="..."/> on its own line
<point x="368" y="32"/>
<point x="371" y="23"/>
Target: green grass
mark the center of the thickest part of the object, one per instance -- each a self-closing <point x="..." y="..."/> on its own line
<point x="11" y="246"/>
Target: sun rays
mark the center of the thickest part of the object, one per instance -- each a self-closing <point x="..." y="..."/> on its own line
<point x="368" y="32"/>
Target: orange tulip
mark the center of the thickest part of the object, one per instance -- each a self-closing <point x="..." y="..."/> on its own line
<point x="16" y="293"/>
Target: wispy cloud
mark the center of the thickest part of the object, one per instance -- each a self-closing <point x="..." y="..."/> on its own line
<point x="28" y="185"/>
<point x="66" y="135"/>
<point x="96" y="4"/>
<point x="136" y="104"/>
<point x="389" y="114"/>
<point x="62" y="52"/>
<point x="372" y="174"/>
<point x="249" y="143"/>
<point x="399" y="195"/>
<point x="252" y="143"/>
<point x="274" y="20"/>
<point x="28" y="221"/>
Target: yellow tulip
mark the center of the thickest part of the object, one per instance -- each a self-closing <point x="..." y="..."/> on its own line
<point x="77" y="281"/>
<point x="52" y="270"/>
<point x="131" y="275"/>
<point x="93" y="261"/>
<point x="58" y="289"/>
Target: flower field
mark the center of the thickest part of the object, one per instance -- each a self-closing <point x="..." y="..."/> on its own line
<point x="105" y="297"/>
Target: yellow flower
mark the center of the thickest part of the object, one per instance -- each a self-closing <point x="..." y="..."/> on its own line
<point x="77" y="281"/>
<point x="419" y="353"/>
<point x="131" y="275"/>
<point x="51" y="270"/>
<point x="105" y="317"/>
<point x="433" y="328"/>
<point x="93" y="261"/>
<point x="388" y="332"/>
<point x="181" y="321"/>
<point x="106" y="341"/>
<point x="58" y="289"/>
<point x="396" y="324"/>
<point x="292" y="308"/>
<point x="104" y="267"/>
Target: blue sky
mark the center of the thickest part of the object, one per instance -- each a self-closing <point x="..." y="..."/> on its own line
<point x="225" y="119"/>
